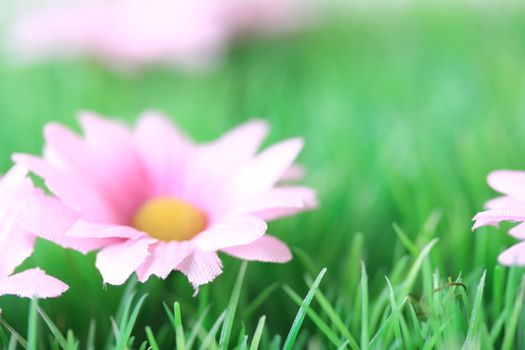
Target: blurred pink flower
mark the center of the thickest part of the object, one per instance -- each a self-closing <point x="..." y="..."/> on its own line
<point x="131" y="33"/>
<point x="16" y="244"/>
<point x="153" y="201"/>
<point x="508" y="207"/>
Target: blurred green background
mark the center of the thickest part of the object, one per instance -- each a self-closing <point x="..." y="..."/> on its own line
<point x="404" y="113"/>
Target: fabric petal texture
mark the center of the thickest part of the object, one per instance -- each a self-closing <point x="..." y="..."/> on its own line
<point x="33" y="283"/>
<point x="117" y="262"/>
<point x="508" y="207"/>
<point x="266" y="249"/>
<point x="17" y="242"/>
<point x="164" y="257"/>
<point x="494" y="216"/>
<point x="231" y="232"/>
<point x="152" y="201"/>
<point x="201" y="268"/>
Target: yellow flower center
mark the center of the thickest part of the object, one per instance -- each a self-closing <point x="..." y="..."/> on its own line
<point x="169" y="219"/>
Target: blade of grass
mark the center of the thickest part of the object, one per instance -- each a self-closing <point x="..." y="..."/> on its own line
<point x="62" y="341"/>
<point x="90" y="344"/>
<point x="317" y="320"/>
<point x="385" y="325"/>
<point x="473" y="339"/>
<point x="122" y="311"/>
<point x="151" y="339"/>
<point x="72" y="343"/>
<point x="364" y="307"/>
<point x="336" y="320"/>
<point x="512" y="321"/>
<point x="196" y="328"/>
<point x="276" y="343"/>
<point x="179" y="331"/>
<point x="414" y="270"/>
<point x="32" y="326"/>
<point x="409" y="245"/>
<point x="243" y="344"/>
<point x="343" y="346"/>
<point x="127" y="323"/>
<point x="14" y="334"/>
<point x="299" y="318"/>
<point x="232" y="307"/>
<point x="210" y="337"/>
<point x="351" y="262"/>
<point x="176" y="323"/>
<point x="12" y="343"/>
<point x="418" y="336"/>
<point x="395" y="311"/>
<point x="258" y="333"/>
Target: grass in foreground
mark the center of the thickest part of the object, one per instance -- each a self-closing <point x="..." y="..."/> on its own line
<point x="415" y="309"/>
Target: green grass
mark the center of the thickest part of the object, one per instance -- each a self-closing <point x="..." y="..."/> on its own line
<point x="403" y="116"/>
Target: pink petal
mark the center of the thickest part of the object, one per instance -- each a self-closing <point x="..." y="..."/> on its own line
<point x="50" y="219"/>
<point x="223" y="157"/>
<point x="16" y="244"/>
<point x="232" y="232"/>
<point x="70" y="153"/>
<point x="119" y="161"/>
<point x="279" y="202"/>
<point x="518" y="231"/>
<point x="515" y="255"/>
<point x="32" y="283"/>
<point x="13" y="178"/>
<point x="495" y="216"/>
<point x="164" y="257"/>
<point x="503" y="202"/>
<point x="201" y="268"/>
<point x="266" y="169"/>
<point x="240" y="143"/>
<point x="87" y="229"/>
<point x="294" y="173"/>
<point x="118" y="261"/>
<point x="164" y="152"/>
<point x="266" y="249"/>
<point x="80" y="195"/>
<point x="509" y="182"/>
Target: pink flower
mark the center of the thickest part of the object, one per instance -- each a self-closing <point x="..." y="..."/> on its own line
<point x="16" y="244"/>
<point x="125" y="32"/>
<point x="131" y="33"/>
<point x="268" y="16"/>
<point x="153" y="201"/>
<point x="508" y="207"/>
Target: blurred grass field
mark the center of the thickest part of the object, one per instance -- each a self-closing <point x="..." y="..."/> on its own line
<point x="404" y="114"/>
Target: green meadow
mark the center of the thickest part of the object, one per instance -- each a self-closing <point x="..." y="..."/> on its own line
<point x="404" y="113"/>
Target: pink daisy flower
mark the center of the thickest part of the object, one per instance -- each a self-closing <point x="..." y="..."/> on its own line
<point x="508" y="207"/>
<point x="17" y="244"/>
<point x="131" y="33"/>
<point x="124" y="33"/>
<point x="153" y="201"/>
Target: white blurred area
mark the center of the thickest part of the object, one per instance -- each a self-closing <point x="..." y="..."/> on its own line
<point x="188" y="34"/>
<point x="133" y="33"/>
